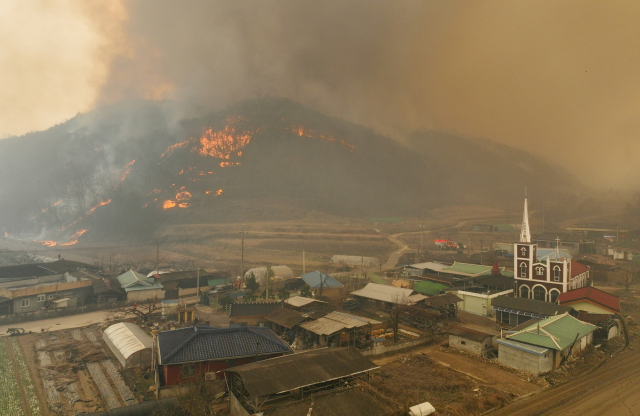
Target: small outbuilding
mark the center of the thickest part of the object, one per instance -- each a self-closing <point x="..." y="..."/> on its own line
<point x="469" y="340"/>
<point x="129" y="343"/>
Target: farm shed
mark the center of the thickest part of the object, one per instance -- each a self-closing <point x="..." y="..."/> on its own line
<point x="474" y="342"/>
<point x="260" y="273"/>
<point x="525" y="357"/>
<point x="129" y="343"/>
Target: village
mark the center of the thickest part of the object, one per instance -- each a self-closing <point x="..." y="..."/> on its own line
<point x="432" y="336"/>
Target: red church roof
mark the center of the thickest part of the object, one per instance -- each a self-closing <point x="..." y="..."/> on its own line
<point x="592" y="294"/>
<point x="578" y="268"/>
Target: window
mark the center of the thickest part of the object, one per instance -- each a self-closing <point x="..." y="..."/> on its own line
<point x="25" y="302"/>
<point x="524" y="292"/>
<point x="553" y="295"/>
<point x="539" y="293"/>
<point x="556" y="273"/>
<point x="188" y="370"/>
<point x="41" y="298"/>
<point x="52" y="296"/>
<point x="504" y="317"/>
<point x="523" y="269"/>
<point x="539" y="270"/>
<point x="231" y="362"/>
<point x="463" y="343"/>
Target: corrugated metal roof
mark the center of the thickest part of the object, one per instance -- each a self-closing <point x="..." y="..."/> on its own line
<point x="286" y="317"/>
<point x="338" y="402"/>
<point x="252" y="308"/>
<point x="132" y="281"/>
<point x="551" y="253"/>
<point x="299" y="301"/>
<point x="467" y="269"/>
<point x="313" y="280"/>
<point x="556" y="332"/>
<point x="337" y="321"/>
<point x="387" y="293"/>
<point x="128" y="338"/>
<point x="522" y="346"/>
<point x="430" y="265"/>
<point x="303" y="369"/>
<point x="532" y="306"/>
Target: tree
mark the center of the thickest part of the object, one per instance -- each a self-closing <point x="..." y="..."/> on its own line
<point x="249" y="297"/>
<point x="144" y="310"/>
<point x="306" y="291"/>
<point x="225" y="301"/>
<point x="627" y="274"/>
<point x="252" y="284"/>
<point x="284" y="294"/>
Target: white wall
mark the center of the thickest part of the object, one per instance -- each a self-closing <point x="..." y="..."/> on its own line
<point x="525" y="361"/>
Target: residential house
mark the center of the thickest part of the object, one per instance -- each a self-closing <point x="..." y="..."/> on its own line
<point x="419" y="269"/>
<point x="286" y="385"/>
<point x="376" y="296"/>
<point x="590" y="299"/>
<point x="608" y="325"/>
<point x="479" y="303"/>
<point x="573" y="244"/>
<point x="470" y="340"/>
<point x="183" y="283"/>
<point x="189" y="353"/>
<point x="104" y="290"/>
<point x="322" y="284"/>
<point x="624" y="250"/>
<point x="251" y="313"/>
<point x="337" y="329"/>
<point x="20" y="295"/>
<point x="511" y="312"/>
<point x="284" y="321"/>
<point x="544" y="345"/>
<point x="140" y="288"/>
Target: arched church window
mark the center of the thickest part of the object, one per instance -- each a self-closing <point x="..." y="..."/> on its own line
<point x="523" y="269"/>
<point x="553" y="295"/>
<point x="524" y="292"/>
<point x="556" y="273"/>
<point x="540" y="293"/>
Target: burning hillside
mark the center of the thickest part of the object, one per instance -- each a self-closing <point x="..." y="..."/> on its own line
<point x="94" y="174"/>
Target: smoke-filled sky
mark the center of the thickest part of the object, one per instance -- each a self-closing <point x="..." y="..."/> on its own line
<point x="559" y="79"/>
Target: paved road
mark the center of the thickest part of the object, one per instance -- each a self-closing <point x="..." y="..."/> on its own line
<point x="611" y="389"/>
<point x="55" y="324"/>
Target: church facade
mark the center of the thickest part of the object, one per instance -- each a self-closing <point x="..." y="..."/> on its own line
<point x="545" y="274"/>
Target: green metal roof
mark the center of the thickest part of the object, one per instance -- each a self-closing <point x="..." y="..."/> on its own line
<point x="469" y="269"/>
<point x="430" y="288"/>
<point x="132" y="281"/>
<point x="556" y="332"/>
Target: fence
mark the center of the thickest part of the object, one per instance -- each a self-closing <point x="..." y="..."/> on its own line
<point x="56" y="313"/>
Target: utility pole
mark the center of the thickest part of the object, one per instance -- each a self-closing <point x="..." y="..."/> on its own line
<point x="198" y="289"/>
<point x="543" y="217"/>
<point x="242" y="257"/>
<point x="480" y="251"/>
<point x="421" y="230"/>
<point x="304" y="269"/>
<point x="157" y="257"/>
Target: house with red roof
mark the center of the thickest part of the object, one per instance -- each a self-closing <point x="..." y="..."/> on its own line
<point x="590" y="299"/>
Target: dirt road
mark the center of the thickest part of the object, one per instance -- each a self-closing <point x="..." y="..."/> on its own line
<point x="612" y="389"/>
<point x="55" y="324"/>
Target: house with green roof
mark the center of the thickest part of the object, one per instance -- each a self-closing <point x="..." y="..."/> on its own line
<point x="139" y="287"/>
<point x="543" y="346"/>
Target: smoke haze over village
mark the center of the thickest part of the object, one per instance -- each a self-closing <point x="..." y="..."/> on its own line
<point x="556" y="79"/>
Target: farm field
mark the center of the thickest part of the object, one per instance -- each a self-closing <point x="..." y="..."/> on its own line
<point x="18" y="396"/>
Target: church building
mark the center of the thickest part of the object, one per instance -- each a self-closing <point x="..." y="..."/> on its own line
<point x="544" y="274"/>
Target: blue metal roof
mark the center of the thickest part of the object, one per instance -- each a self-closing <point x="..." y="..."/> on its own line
<point x="533" y="349"/>
<point x="313" y="280"/>
<point x="195" y="344"/>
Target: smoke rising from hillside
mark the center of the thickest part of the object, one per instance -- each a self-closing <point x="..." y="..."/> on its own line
<point x="555" y="78"/>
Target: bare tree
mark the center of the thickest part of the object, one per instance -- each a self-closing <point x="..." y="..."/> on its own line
<point x="627" y="274"/>
<point x="144" y="310"/>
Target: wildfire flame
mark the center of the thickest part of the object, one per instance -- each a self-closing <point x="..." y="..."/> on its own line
<point x="47" y="209"/>
<point x="173" y="147"/>
<point x="307" y="132"/>
<point x="126" y="170"/>
<point x="168" y="204"/>
<point x="215" y="193"/>
<point x="227" y="164"/>
<point x="183" y="195"/>
<point x="103" y="203"/>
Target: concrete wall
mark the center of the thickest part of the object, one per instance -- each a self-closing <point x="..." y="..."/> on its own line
<point x="399" y="346"/>
<point x="142" y="295"/>
<point x="479" y="303"/>
<point x="525" y="361"/>
<point x="473" y="347"/>
<point x="236" y="407"/>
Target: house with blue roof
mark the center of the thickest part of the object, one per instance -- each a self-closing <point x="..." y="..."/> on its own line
<point x="187" y="354"/>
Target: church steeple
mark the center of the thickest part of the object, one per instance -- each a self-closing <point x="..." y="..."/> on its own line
<point x="525" y="234"/>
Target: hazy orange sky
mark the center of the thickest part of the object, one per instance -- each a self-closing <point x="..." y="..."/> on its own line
<point x="559" y="79"/>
